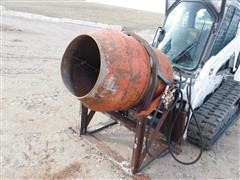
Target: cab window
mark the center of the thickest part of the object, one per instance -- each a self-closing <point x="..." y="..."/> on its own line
<point x="187" y="29"/>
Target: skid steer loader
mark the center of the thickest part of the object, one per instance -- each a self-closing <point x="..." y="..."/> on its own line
<point x="202" y="40"/>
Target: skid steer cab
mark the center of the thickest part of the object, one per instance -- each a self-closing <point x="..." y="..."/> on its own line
<point x="201" y="39"/>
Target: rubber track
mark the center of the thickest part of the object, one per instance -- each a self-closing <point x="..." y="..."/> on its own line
<point x="216" y="114"/>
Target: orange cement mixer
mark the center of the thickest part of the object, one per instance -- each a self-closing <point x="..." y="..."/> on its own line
<point x="108" y="70"/>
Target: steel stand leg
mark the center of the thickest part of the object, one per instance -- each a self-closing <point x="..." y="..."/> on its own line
<point x="138" y="144"/>
<point x="85" y="119"/>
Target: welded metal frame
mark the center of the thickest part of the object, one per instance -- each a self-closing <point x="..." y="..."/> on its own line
<point x="140" y="157"/>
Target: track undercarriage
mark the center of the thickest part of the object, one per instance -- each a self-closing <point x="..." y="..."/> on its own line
<point x="216" y="114"/>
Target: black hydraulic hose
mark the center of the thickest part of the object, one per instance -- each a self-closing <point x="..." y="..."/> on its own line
<point x="169" y="149"/>
<point x="200" y="133"/>
<point x="154" y="117"/>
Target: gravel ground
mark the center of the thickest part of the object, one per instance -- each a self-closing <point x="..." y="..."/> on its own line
<point x="38" y="111"/>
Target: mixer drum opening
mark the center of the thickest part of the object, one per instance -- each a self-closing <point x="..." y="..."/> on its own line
<point x="81" y="65"/>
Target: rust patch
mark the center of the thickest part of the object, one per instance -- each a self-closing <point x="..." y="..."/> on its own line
<point x="141" y="177"/>
<point x="68" y="171"/>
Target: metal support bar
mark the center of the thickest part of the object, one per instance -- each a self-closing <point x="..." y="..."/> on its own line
<point x="85" y="119"/>
<point x="130" y="124"/>
<point x="105" y="125"/>
<point x="83" y="128"/>
<point x="154" y="135"/>
<point x="138" y="154"/>
<point x="138" y="144"/>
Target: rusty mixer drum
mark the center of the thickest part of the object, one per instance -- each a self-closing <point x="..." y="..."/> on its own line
<point x="110" y="71"/>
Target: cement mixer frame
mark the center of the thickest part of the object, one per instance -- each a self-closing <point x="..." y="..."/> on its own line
<point x="140" y="155"/>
